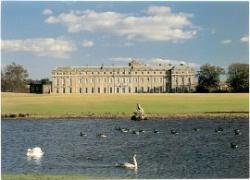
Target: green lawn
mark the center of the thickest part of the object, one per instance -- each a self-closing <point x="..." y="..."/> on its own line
<point x="123" y="105"/>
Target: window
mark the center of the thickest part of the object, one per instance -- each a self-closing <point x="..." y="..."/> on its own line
<point x="110" y="90"/>
<point x="148" y="89"/>
<point x="136" y="89"/>
<point x="117" y="90"/>
<point x="129" y="89"/>
<point x="123" y="90"/>
<point x="104" y="90"/>
<point x="142" y="89"/>
<point x="70" y="90"/>
<point x="63" y="90"/>
<point x="93" y="90"/>
<point x="98" y="90"/>
<point x="80" y="90"/>
<point x="86" y="90"/>
<point x="189" y="80"/>
<point x="148" y="79"/>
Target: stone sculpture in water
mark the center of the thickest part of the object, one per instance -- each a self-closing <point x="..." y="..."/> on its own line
<point x="138" y="114"/>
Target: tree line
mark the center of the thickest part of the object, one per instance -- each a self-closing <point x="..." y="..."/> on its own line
<point x="14" y="78"/>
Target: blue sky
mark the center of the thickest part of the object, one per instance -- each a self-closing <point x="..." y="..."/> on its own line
<point x="45" y="35"/>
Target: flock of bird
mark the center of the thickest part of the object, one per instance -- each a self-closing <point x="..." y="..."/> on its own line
<point x="37" y="153"/>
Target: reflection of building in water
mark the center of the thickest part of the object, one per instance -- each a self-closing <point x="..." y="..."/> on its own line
<point x="135" y="78"/>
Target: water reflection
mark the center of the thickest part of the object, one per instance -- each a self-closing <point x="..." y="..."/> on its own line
<point x="35" y="160"/>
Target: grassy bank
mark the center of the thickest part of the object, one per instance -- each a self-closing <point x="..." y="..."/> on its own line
<point x="45" y="177"/>
<point x="157" y="105"/>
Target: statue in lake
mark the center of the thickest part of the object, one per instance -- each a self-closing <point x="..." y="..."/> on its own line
<point x="138" y="114"/>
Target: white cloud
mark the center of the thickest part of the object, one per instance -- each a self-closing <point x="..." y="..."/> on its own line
<point x="244" y="39"/>
<point x="155" y="61"/>
<point x="49" y="47"/>
<point x="87" y="43"/>
<point x="226" y="41"/>
<point x="170" y="62"/>
<point x="158" y="23"/>
<point x="47" y="12"/>
<point x="121" y="59"/>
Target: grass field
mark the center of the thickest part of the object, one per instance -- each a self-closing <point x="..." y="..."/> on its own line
<point x="121" y="105"/>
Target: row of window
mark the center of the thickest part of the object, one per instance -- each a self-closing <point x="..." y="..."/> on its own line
<point x="183" y="80"/>
<point x="114" y="90"/>
<point x="113" y="72"/>
<point x="108" y="80"/>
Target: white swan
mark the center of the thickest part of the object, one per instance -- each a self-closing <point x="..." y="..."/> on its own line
<point x="35" y="153"/>
<point x="130" y="165"/>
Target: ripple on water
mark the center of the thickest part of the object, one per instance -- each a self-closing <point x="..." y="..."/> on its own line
<point x="192" y="153"/>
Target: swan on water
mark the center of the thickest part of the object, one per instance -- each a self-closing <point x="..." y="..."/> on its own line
<point x="35" y="152"/>
<point x="130" y="165"/>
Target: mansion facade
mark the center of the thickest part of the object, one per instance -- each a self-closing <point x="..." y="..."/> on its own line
<point x="135" y="78"/>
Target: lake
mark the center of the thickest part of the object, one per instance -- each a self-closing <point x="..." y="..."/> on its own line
<point x="191" y="153"/>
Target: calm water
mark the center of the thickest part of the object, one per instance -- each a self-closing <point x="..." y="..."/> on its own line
<point x="190" y="154"/>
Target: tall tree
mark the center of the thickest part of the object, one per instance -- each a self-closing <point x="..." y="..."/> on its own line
<point x="238" y="77"/>
<point x="13" y="78"/>
<point x="209" y="78"/>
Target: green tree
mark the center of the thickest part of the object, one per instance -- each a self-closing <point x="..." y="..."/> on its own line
<point x="238" y="77"/>
<point x="13" y="78"/>
<point x="209" y="78"/>
<point x="45" y="81"/>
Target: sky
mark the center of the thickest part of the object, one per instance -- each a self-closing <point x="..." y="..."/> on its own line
<point x="44" y="35"/>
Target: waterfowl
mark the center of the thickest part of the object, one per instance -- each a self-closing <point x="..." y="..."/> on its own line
<point x="142" y="131"/>
<point x="136" y="132"/>
<point x="82" y="134"/>
<point x="102" y="135"/>
<point x="174" y="132"/>
<point x="130" y="165"/>
<point x="196" y="129"/>
<point x="35" y="152"/>
<point x="156" y="131"/>
<point x="124" y="130"/>
<point x="237" y="132"/>
<point x="234" y="146"/>
<point x="220" y="129"/>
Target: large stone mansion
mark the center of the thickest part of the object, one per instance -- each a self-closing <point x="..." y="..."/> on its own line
<point x="134" y="78"/>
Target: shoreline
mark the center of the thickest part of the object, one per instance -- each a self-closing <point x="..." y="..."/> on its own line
<point x="198" y="116"/>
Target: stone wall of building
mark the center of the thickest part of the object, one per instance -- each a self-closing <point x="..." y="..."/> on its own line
<point x="135" y="78"/>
